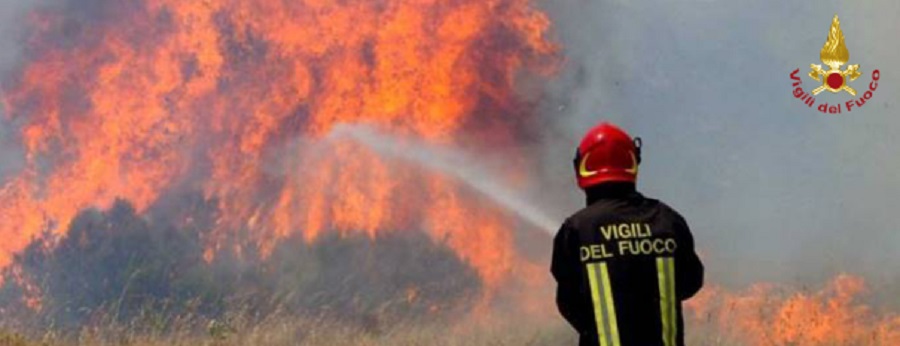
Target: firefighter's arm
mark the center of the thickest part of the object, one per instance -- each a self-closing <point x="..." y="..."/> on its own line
<point x="564" y="268"/>
<point x="688" y="268"/>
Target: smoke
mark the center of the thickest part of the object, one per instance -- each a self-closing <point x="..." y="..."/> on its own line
<point x="10" y="158"/>
<point x="773" y="190"/>
<point x="11" y="23"/>
<point x="11" y="15"/>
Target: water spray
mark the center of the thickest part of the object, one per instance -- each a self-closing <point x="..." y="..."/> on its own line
<point x="453" y="163"/>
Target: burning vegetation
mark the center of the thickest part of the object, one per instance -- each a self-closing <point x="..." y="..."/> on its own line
<point x="178" y="160"/>
<point x="116" y="266"/>
<point x="179" y="176"/>
<point x="768" y="314"/>
<point x="138" y="100"/>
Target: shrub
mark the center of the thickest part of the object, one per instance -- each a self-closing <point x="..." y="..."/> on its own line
<point x="118" y="266"/>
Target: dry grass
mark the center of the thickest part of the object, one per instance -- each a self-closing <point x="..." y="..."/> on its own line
<point x="470" y="330"/>
<point x="292" y="331"/>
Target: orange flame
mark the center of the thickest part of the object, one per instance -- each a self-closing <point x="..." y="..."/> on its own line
<point x="766" y="314"/>
<point x="233" y="98"/>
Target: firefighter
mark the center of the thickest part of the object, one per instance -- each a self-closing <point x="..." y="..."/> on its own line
<point x="624" y="263"/>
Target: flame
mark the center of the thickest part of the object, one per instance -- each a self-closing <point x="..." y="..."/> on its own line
<point x="766" y="314"/>
<point x="234" y="98"/>
<point x="834" y="53"/>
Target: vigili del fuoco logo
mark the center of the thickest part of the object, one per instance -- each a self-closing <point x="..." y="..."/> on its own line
<point x="834" y="55"/>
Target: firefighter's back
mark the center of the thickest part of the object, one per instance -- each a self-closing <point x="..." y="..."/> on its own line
<point x="627" y="249"/>
<point x="625" y="262"/>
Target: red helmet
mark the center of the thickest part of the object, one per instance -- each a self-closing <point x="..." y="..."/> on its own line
<point x="607" y="154"/>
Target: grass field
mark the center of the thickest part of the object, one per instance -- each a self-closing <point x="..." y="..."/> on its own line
<point x="288" y="331"/>
<point x="474" y="330"/>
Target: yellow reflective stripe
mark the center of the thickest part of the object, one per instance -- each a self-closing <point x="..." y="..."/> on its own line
<point x="665" y="273"/>
<point x="672" y="312"/>
<point x="610" y="305"/>
<point x="598" y="308"/>
<point x="661" y="274"/>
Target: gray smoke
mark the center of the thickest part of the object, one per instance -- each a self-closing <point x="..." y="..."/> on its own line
<point x="772" y="189"/>
<point x="12" y="20"/>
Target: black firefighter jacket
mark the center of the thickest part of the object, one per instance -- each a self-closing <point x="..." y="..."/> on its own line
<point x="623" y="265"/>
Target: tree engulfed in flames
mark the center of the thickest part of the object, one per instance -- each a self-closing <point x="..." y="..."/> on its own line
<point x="767" y="315"/>
<point x="134" y="99"/>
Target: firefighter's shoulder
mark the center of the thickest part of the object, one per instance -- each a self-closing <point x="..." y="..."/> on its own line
<point x="592" y="215"/>
<point x="580" y="224"/>
<point x="672" y="214"/>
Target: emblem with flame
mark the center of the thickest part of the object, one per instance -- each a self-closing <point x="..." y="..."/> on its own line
<point x="834" y="54"/>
